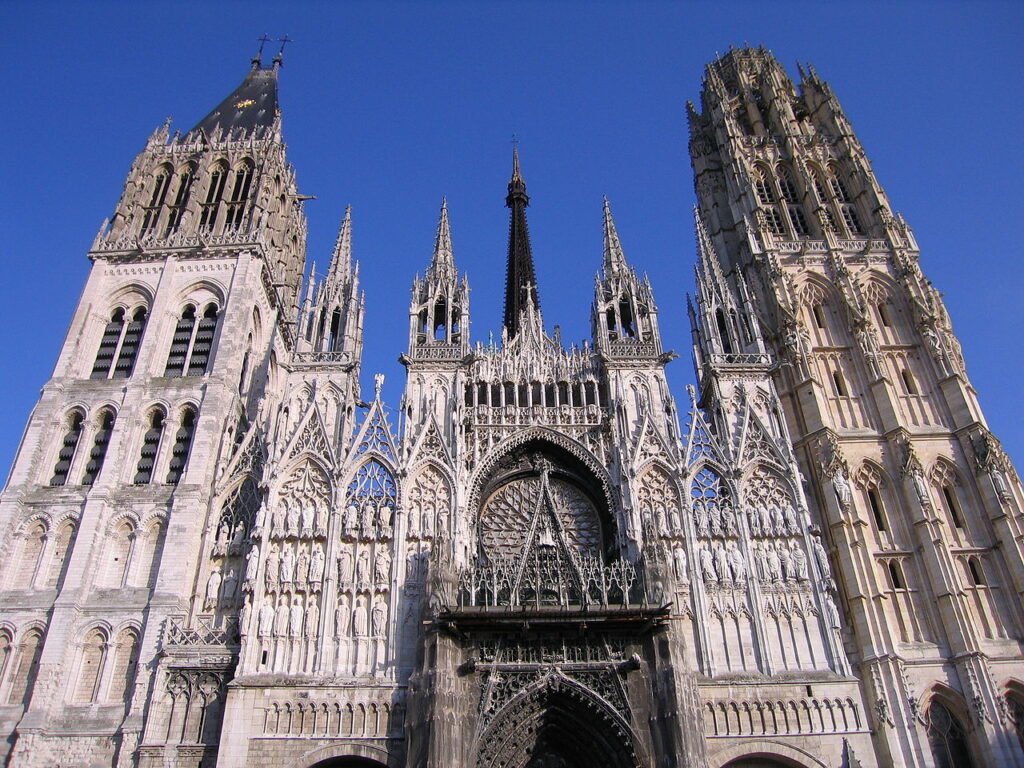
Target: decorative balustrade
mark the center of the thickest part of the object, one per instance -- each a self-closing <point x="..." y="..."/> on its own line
<point x="560" y="415"/>
<point x="547" y="579"/>
<point x="631" y="348"/>
<point x="312" y="358"/>
<point x="437" y="352"/>
<point x="203" y="631"/>
<point x="741" y="359"/>
<point x="181" y="239"/>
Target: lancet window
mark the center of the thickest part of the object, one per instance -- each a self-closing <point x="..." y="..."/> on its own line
<point x="90" y="667"/>
<point x="240" y="190"/>
<point x="150" y="447"/>
<point x="123" y="665"/>
<point x="156" y="200"/>
<point x="214" y="195"/>
<point x="177" y="209"/>
<point x="26" y="666"/>
<point x="947" y="738"/>
<point x="32" y="545"/>
<point x="98" y="452"/>
<point x="182" y="445"/>
<point x="68" y="448"/>
<point x="192" y="341"/>
<point x="59" y="553"/>
<point x="119" y="345"/>
<point x="792" y="200"/>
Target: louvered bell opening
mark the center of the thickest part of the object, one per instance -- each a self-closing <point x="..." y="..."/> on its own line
<point x="144" y="470"/>
<point x="105" y="354"/>
<point x="179" y="454"/>
<point x="179" y="347"/>
<point x="197" y="364"/>
<point x="129" y="349"/>
<point x="96" y="457"/>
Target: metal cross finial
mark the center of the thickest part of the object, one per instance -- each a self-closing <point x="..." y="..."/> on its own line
<point x="283" y="41"/>
<point x="515" y="140"/>
<point x="262" y="41"/>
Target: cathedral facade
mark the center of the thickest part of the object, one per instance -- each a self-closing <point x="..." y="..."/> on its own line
<point x="216" y="552"/>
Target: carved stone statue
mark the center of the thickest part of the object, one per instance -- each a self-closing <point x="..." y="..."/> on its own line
<point x="308" y="519"/>
<point x="737" y="565"/>
<point x="312" y="618"/>
<point x="363" y="568"/>
<point x="841" y="486"/>
<point x="351" y="523"/>
<point x="679" y="556"/>
<point x="382" y="566"/>
<point x="266" y="619"/>
<point x="281" y="618"/>
<point x="252" y="564"/>
<point x="345" y="566"/>
<point x="295" y="617"/>
<point x="360" y="619"/>
<point x="380" y="612"/>
<point x="707" y="565"/>
<point x="230" y="587"/>
<point x="798" y="563"/>
<point x="316" y="568"/>
<point x="774" y="564"/>
<point x="721" y="564"/>
<point x="343" y="617"/>
<point x="821" y="558"/>
<point x="920" y="487"/>
<point x="273" y="569"/>
<point x="287" y="567"/>
<point x="213" y="589"/>
<point x="301" y="569"/>
<point x="384" y="521"/>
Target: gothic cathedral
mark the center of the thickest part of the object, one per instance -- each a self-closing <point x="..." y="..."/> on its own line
<point x="215" y="552"/>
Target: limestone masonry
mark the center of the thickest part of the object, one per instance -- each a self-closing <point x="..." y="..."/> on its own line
<point x="215" y="553"/>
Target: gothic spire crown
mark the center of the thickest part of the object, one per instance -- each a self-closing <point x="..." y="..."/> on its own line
<point x="520" y="280"/>
<point x="442" y="265"/>
<point x="251" y="108"/>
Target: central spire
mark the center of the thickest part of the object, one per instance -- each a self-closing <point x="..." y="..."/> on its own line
<point x="520" y="281"/>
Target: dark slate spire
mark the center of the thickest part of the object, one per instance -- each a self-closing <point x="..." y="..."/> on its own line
<point x="250" y="107"/>
<point x="520" y="281"/>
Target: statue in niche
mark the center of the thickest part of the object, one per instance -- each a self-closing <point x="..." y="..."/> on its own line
<point x="778" y="525"/>
<point x="426" y="525"/>
<point x="360" y="618"/>
<point x="252" y="565"/>
<point x="789" y="516"/>
<point x="841" y="486"/>
<point x="721" y="564"/>
<point x="220" y="544"/>
<point x="243" y="617"/>
<point x="729" y="521"/>
<point x="382" y="566"/>
<point x="754" y="521"/>
<point x="773" y="563"/>
<point x="237" y="539"/>
<point x="762" y="562"/>
<point x="281" y="618"/>
<point x="412" y="568"/>
<point x="679" y="558"/>
<point x="213" y="589"/>
<point x="287" y="567"/>
<point x="920" y="487"/>
<point x="675" y="522"/>
<point x="351" y="522"/>
<point x="366" y="521"/>
<point x="707" y="565"/>
<point x="821" y="558"/>
<point x="312" y="618"/>
<point x="414" y="525"/>
<point x="831" y="612"/>
<point x="737" y="565"/>
<point x="701" y="519"/>
<point x="320" y="525"/>
<point x="379" y="617"/>
<point x="343" y="617"/>
<point x="273" y="570"/>
<point x="230" y="587"/>
<point x="308" y="516"/>
<point x="316" y="568"/>
<point x="293" y="521"/>
<point x="266" y="619"/>
<point x="384" y="521"/>
<point x="442" y="526"/>
<point x="345" y="566"/>
<point x="295" y="617"/>
<point x="715" y="520"/>
<point x="278" y="525"/>
<point x="301" y="569"/>
<point x="785" y="561"/>
<point x="260" y="521"/>
<point x="363" y="568"/>
<point x="798" y="562"/>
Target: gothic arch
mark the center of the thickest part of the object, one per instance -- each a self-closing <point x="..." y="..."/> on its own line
<point x="561" y="716"/>
<point x="130" y="296"/>
<point x="786" y="756"/>
<point x="294" y="467"/>
<point x="200" y="293"/>
<point x="490" y="464"/>
<point x="767" y="471"/>
<point x="351" y="755"/>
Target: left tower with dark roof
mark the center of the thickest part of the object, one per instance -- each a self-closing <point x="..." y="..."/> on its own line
<point x="127" y="517"/>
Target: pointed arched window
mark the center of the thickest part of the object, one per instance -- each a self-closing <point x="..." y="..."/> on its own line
<point x="108" y="345"/>
<point x="32" y="546"/>
<point x="119" y="551"/>
<point x="68" y="448"/>
<point x="181" y="196"/>
<point x="90" y="668"/>
<point x="120" y="342"/>
<point x="156" y="200"/>
<point x="792" y="200"/>
<point x="130" y="345"/>
<point x="192" y="342"/>
<point x="98" y="453"/>
<point x="764" y="187"/>
<point x="59" y="553"/>
<point x="214" y="196"/>
<point x="26" y="665"/>
<point x="947" y="738"/>
<point x="182" y="445"/>
<point x="6" y="651"/>
<point x="875" y="502"/>
<point x="122" y="669"/>
<point x="150" y="446"/>
<point x="181" y="342"/>
<point x="240" y="189"/>
<point x="199" y="359"/>
<point x="952" y="505"/>
<point x="895" y="575"/>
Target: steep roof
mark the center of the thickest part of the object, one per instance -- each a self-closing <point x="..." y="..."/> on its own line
<point x="252" y="105"/>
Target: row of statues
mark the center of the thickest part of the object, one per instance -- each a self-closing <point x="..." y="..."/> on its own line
<point x="293" y="521"/>
<point x="370" y="520"/>
<point x="288" y="570"/>
<point x="362" y="575"/>
<point x="297" y="618"/>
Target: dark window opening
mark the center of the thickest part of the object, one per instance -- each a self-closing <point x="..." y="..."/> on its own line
<point x="894" y="576"/>
<point x="947" y="739"/>
<point x="181" y="447"/>
<point x="839" y="384"/>
<point x="723" y="332"/>
<point x="909" y="385"/>
<point x="951" y="506"/>
<point x="796" y="215"/>
<point x="440" y="321"/>
<point x="239" y="196"/>
<point x="69" y="445"/>
<point x="108" y="345"/>
<point x="819" y="315"/>
<point x="883" y="314"/>
<point x="332" y="340"/>
<point x="200" y="358"/>
<point x="626" y="316"/>
<point x="130" y="345"/>
<point x="99" y="448"/>
<point x="977" y="578"/>
<point x="214" y="193"/>
<point x="876" y="508"/>
<point x="150" y="445"/>
<point x="180" y="342"/>
<point x="156" y="202"/>
<point x="177" y="210"/>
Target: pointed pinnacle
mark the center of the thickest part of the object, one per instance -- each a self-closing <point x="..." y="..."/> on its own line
<point x="341" y="260"/>
<point x="444" y="258"/>
<point x="614" y="258"/>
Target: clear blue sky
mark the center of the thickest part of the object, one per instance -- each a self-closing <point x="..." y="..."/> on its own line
<point x="390" y="106"/>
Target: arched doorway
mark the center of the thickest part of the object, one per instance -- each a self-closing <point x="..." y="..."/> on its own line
<point x="348" y="762"/>
<point x="557" y="723"/>
<point x="762" y="761"/>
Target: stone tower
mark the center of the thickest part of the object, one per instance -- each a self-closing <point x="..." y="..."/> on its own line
<point x="808" y="277"/>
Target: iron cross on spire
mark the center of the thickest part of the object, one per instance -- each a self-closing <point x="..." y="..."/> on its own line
<point x="279" y="58"/>
<point x="257" y="60"/>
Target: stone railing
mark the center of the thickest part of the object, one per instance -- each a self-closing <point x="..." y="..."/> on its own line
<point x="322" y="358"/>
<point x="202" y="632"/>
<point x="545" y="579"/>
<point x="741" y="359"/>
<point x="437" y="352"/>
<point x="561" y="415"/>
<point x="232" y="237"/>
<point x="630" y="348"/>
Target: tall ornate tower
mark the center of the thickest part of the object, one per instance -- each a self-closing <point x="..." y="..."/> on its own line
<point x="809" y="278"/>
<point x="143" y="429"/>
